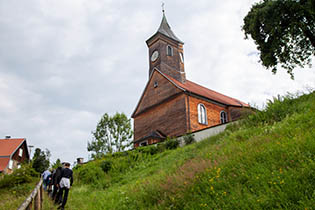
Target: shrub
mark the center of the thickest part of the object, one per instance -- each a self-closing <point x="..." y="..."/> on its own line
<point x="171" y="143"/>
<point x="118" y="154"/>
<point x="106" y="165"/>
<point x="189" y="138"/>
<point x="279" y="108"/>
<point x="151" y="149"/>
<point x="22" y="175"/>
<point x="90" y="173"/>
<point x="161" y="147"/>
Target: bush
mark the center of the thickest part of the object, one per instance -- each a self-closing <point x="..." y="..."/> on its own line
<point x="161" y="147"/>
<point x="150" y="149"/>
<point x="106" y="165"/>
<point x="189" y="138"/>
<point x="171" y="143"/>
<point x="279" y="108"/>
<point x="90" y="173"/>
<point x="23" y="175"/>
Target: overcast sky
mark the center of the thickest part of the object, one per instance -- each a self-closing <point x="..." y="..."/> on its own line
<point x="64" y="63"/>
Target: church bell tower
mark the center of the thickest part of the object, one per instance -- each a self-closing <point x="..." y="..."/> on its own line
<point x="166" y="52"/>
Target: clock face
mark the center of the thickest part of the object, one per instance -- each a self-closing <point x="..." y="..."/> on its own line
<point x="154" y="56"/>
<point x="181" y="57"/>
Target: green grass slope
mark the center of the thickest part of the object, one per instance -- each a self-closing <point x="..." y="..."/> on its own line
<point x="267" y="161"/>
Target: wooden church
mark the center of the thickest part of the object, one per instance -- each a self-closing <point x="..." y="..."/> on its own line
<point x="171" y="105"/>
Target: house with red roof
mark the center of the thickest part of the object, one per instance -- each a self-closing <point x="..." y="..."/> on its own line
<point x="171" y="105"/>
<point x="13" y="152"/>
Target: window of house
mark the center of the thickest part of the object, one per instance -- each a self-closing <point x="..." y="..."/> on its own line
<point x="202" y="114"/>
<point x="10" y="164"/>
<point x="20" y="152"/>
<point x="223" y="117"/>
<point x="143" y="143"/>
<point x="169" y="50"/>
<point x="156" y="84"/>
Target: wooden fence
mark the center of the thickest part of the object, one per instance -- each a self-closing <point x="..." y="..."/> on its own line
<point x="35" y="199"/>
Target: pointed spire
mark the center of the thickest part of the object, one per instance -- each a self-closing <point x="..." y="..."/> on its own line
<point x="165" y="28"/>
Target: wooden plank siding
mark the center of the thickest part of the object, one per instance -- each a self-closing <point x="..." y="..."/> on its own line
<point x="169" y="118"/>
<point x="154" y="95"/>
<point x="212" y="110"/>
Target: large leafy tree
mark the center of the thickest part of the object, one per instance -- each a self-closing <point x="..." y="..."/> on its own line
<point x="112" y="134"/>
<point x="40" y="161"/>
<point x="284" y="32"/>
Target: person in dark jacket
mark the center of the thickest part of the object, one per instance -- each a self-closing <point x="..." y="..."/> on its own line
<point x="55" y="177"/>
<point x="65" y="182"/>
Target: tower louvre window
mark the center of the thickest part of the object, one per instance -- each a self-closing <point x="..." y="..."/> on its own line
<point x="202" y="114"/>
<point x="169" y="50"/>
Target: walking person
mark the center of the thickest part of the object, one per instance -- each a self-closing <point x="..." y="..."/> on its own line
<point x="55" y="177"/>
<point x="66" y="180"/>
<point x="45" y="176"/>
<point x="49" y="178"/>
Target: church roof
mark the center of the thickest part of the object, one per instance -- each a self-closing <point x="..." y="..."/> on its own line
<point x="207" y="93"/>
<point x="196" y="89"/>
<point x="166" y="30"/>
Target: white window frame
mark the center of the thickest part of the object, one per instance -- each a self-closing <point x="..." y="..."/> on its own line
<point x="223" y="119"/>
<point x="10" y="165"/>
<point x="202" y="114"/>
<point x="171" y="52"/>
<point x="20" y="152"/>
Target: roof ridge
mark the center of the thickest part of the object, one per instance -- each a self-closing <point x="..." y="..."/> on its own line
<point x="219" y="97"/>
<point x="213" y="90"/>
<point x="13" y="139"/>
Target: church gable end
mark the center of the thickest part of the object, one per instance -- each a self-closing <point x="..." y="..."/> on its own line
<point x="169" y="118"/>
<point x="158" y="90"/>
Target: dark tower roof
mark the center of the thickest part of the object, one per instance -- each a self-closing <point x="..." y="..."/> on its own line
<point x="165" y="29"/>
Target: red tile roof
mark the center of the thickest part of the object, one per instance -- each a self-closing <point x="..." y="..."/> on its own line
<point x="198" y="90"/>
<point x="207" y="93"/>
<point x="8" y="146"/>
<point x="3" y="163"/>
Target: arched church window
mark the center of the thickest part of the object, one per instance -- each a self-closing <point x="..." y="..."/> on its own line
<point x="223" y="117"/>
<point x="169" y="50"/>
<point x="202" y="114"/>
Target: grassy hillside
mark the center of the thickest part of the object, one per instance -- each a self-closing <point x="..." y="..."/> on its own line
<point x="266" y="161"/>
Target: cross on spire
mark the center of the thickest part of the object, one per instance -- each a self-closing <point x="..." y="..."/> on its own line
<point x="163" y="10"/>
